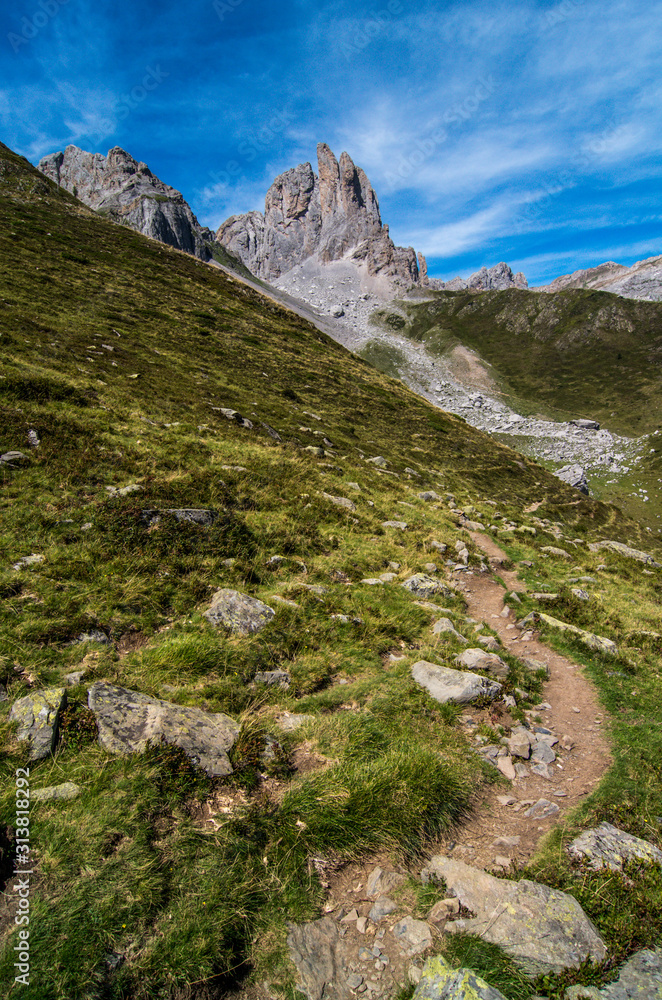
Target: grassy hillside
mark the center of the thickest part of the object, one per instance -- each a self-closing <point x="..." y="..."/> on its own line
<point x="117" y="352"/>
<point x="577" y="352"/>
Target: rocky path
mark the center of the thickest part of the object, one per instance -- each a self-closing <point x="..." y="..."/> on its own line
<point x="500" y="831"/>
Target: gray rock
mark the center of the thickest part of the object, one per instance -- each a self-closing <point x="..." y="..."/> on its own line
<point x="413" y="936"/>
<point x="643" y="280"/>
<point x="321" y="959"/>
<point x="573" y="475"/>
<point x="543" y="753"/>
<point x="586" y="425"/>
<point x="478" y="659"/>
<point x="238" y="612"/>
<point x="456" y="686"/>
<point x="38" y="717"/>
<point x="94" y="635"/>
<point x="425" y="586"/>
<point x="380" y="882"/>
<point x="127" y="192"/>
<point x="289" y="721"/>
<point x="597" y="642"/>
<point x="640" y="978"/>
<point x="542" y="809"/>
<point x="32" y="560"/>
<point x="193" y="514"/>
<point x="273" y="678"/>
<point x="428" y="495"/>
<point x="68" y="790"/>
<point x="319" y="218"/>
<point x="439" y="981"/>
<point x="382" y="908"/>
<point x="489" y="643"/>
<point x="340" y="501"/>
<point x="401" y="525"/>
<point x="444" y="626"/>
<point x="13" y="458"/>
<point x="74" y="678"/>
<point x="606" y="845"/>
<point x="624" y="550"/>
<point x="553" y="550"/>
<point x="542" y="929"/>
<point x="379" y="461"/>
<point x="127" y="719"/>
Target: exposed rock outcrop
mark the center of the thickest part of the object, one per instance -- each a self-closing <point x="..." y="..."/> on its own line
<point x="127" y="191"/>
<point x="329" y="216"/>
<point x="641" y="281"/>
<point x="487" y="279"/>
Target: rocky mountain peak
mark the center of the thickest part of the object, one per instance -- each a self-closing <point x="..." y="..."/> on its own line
<point x="487" y="279"/>
<point x="127" y="191"/>
<point x="328" y="216"/>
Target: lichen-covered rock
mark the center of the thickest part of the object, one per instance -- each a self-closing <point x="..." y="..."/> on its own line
<point x="640" y="979"/>
<point x="195" y="515"/>
<point x="459" y="686"/>
<point x="127" y="719"/>
<point x="425" y="586"/>
<point x="238" y="612"/>
<point x="440" y="982"/>
<point x="624" y="550"/>
<point x="542" y="929"/>
<point x="67" y="790"/>
<point x="596" y="642"/>
<point x="607" y="846"/>
<point x="38" y="716"/>
<point x="340" y="501"/>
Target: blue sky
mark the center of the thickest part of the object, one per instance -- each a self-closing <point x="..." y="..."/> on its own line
<point x="529" y="132"/>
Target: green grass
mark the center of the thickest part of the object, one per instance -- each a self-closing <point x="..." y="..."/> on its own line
<point x="133" y="866"/>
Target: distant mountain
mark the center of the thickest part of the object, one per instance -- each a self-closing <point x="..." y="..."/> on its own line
<point x="641" y="281"/>
<point x="329" y="216"/>
<point x="487" y="279"/>
<point x="127" y="191"/>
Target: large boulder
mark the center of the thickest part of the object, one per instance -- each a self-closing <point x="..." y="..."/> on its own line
<point x="607" y="846"/>
<point x="440" y="982"/>
<point x="624" y="550"/>
<point x="542" y="929"/>
<point x="596" y="642"/>
<point x="573" y="475"/>
<point x="127" y="720"/>
<point x="38" y="716"/>
<point x="459" y="686"/>
<point x="238" y="612"/>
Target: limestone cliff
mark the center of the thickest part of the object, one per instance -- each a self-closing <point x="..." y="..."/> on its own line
<point x="329" y="216"/>
<point x="128" y="192"/>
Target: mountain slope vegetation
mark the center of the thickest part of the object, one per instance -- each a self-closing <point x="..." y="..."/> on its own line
<point x="119" y="357"/>
<point x="575" y="352"/>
